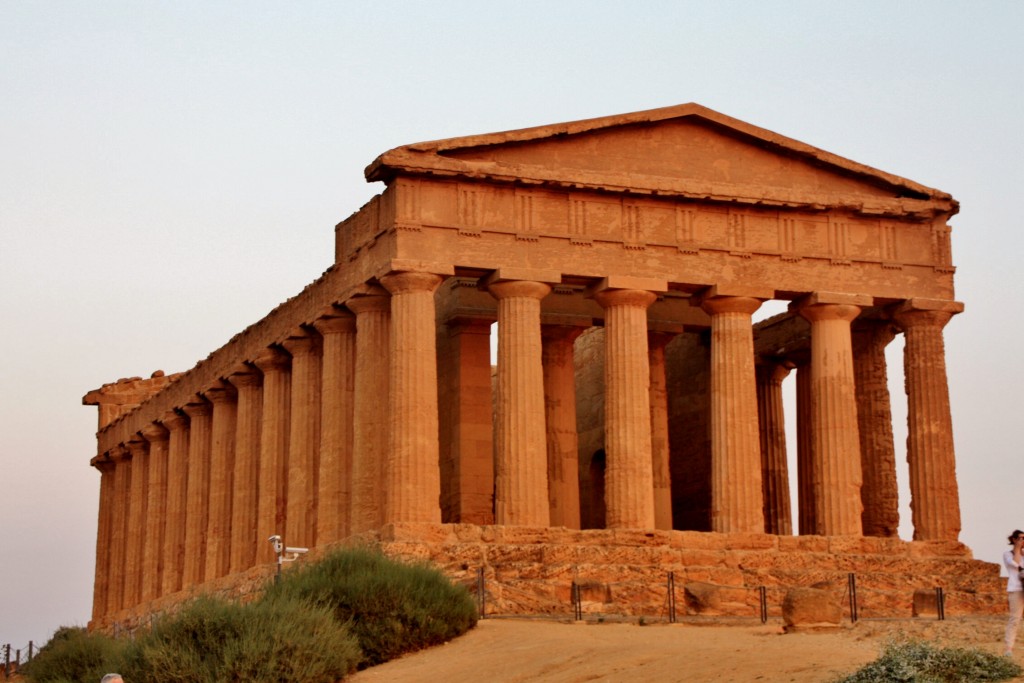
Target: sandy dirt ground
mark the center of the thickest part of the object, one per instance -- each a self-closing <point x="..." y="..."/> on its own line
<point x="521" y="650"/>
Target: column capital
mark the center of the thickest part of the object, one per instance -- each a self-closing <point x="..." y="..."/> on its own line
<point x="302" y="342"/>
<point x="197" y="408"/>
<point x="410" y="281"/>
<point x="119" y="453"/>
<point x="221" y="392"/>
<point x="374" y="298"/>
<point x="273" y="359"/>
<point x="244" y="375"/>
<point x="925" y="312"/>
<point x="715" y="305"/>
<point x="335" y="321"/>
<point x="639" y="298"/>
<point x="523" y="289"/>
<point x="173" y="420"/>
<point x="154" y="432"/>
<point x="818" y="312"/>
<point x="773" y="372"/>
<point x="137" y="445"/>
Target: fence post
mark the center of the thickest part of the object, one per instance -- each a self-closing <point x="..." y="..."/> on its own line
<point x="764" y="603"/>
<point x="940" y="604"/>
<point x="7" y="659"/>
<point x="481" y="594"/>
<point x="30" y="650"/>
<point x="671" y="597"/>
<point x="852" y="583"/>
<point x="577" y="607"/>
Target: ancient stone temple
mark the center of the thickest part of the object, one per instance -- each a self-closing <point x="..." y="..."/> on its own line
<point x="634" y="404"/>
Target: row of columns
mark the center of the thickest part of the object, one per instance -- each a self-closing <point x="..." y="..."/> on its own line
<point x="298" y="440"/>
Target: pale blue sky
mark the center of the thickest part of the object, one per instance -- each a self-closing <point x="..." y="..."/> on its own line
<point x="169" y="172"/>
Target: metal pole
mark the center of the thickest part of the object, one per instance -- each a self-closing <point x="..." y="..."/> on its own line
<point x="671" y="597"/>
<point x="852" y="581"/>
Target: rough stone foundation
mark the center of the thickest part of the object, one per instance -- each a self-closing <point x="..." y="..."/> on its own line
<point x="624" y="573"/>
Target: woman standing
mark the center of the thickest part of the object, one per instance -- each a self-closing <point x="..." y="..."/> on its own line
<point x="1014" y="589"/>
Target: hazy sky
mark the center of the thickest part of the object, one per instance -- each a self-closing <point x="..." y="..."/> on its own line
<point x="170" y="172"/>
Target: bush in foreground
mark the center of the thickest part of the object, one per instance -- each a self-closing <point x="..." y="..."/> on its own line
<point x="921" y="662"/>
<point x="391" y="608"/>
<point x="214" y="640"/>
<point x="73" y="655"/>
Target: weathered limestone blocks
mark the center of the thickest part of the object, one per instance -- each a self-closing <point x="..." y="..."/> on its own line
<point x="811" y="608"/>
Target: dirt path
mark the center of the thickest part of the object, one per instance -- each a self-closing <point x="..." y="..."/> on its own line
<point x="521" y="650"/>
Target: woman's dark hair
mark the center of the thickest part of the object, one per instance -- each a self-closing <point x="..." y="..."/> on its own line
<point x="1017" y="533"/>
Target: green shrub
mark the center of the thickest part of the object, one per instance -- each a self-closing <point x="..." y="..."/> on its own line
<point x="390" y="607"/>
<point x="73" y="655"/>
<point x="212" y="640"/>
<point x="921" y="662"/>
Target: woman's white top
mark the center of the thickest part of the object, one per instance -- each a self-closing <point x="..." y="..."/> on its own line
<point x="1013" y="584"/>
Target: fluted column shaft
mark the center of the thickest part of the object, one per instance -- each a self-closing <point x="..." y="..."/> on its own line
<point x="774" y="466"/>
<point x="104" y="525"/>
<point x="806" y="495"/>
<point x="560" y="419"/>
<point x="834" y="416"/>
<point x="467" y="479"/>
<point x="337" y="394"/>
<point x="935" y="498"/>
<point x="413" y="477"/>
<point x="736" y="503"/>
<point x="662" y="477"/>
<point x="629" y="480"/>
<point x="224" y="423"/>
<point x="521" y="485"/>
<point x="248" y="384"/>
<point x="135" y="546"/>
<point x="177" y="491"/>
<point x="304" y="439"/>
<point x="275" y="365"/>
<point x="197" y="505"/>
<point x="156" y="505"/>
<point x="879" y="493"/>
<point x="370" y="438"/>
<point x="121" y="459"/>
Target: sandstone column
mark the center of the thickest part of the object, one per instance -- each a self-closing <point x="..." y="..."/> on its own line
<point x="935" y="499"/>
<point x="275" y="364"/>
<point x="197" y="500"/>
<point x="156" y="506"/>
<point x="224" y="400"/>
<point x="304" y="438"/>
<point x="135" y="546"/>
<point x="806" y="495"/>
<point x="560" y="418"/>
<point x="520" y="472"/>
<point x="774" y="466"/>
<point x="656" y="343"/>
<point x="121" y="459"/>
<point x="834" y="412"/>
<point x="104" y="527"/>
<point x="177" y="491"/>
<point x="413" y="479"/>
<point x="467" y="481"/>
<point x="629" y="481"/>
<point x="337" y="395"/>
<point x="879" y="493"/>
<point x="736" y="491"/>
<point x="370" y="438"/>
<point x="248" y="384"/>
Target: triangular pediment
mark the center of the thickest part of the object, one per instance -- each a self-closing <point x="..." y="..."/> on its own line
<point x="688" y="151"/>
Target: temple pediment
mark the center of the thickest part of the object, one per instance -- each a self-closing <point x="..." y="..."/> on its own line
<point x="686" y="150"/>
